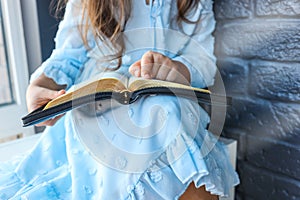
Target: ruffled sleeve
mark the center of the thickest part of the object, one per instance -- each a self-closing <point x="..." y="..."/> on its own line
<point x="70" y="53"/>
<point x="197" y="54"/>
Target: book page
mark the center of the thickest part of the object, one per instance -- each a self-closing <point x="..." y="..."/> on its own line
<point x="133" y="82"/>
<point x="140" y="83"/>
<point x="101" y="76"/>
<point x="104" y="82"/>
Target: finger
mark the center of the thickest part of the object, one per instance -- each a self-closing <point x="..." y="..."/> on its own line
<point x="161" y="66"/>
<point x="163" y="71"/>
<point x="174" y="76"/>
<point x="177" y="77"/>
<point x="155" y="69"/>
<point x="52" y="94"/>
<point x="147" y="64"/>
<point x="61" y="92"/>
<point x="47" y="94"/>
<point x="135" y="69"/>
<point x="41" y="97"/>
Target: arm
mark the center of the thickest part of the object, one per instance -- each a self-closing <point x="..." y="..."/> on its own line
<point x="69" y="55"/>
<point x="194" y="64"/>
<point x="60" y="70"/>
<point x="198" y="55"/>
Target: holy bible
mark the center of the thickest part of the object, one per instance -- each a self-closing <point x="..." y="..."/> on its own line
<point x="123" y="89"/>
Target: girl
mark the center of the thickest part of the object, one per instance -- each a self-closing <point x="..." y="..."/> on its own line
<point x="156" y="148"/>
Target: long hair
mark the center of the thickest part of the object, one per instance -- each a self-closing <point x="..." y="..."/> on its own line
<point x="107" y="18"/>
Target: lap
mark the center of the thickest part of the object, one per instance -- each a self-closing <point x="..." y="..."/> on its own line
<point x="147" y="127"/>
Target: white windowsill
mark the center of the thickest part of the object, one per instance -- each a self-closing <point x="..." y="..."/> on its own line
<point x="8" y="150"/>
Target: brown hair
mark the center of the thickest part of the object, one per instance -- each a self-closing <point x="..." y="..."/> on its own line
<point x="108" y="18"/>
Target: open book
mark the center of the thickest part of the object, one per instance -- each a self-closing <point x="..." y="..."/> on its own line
<point x="123" y="89"/>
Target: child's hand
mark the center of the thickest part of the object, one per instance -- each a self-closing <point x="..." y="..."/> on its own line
<point x="39" y="93"/>
<point x="154" y="65"/>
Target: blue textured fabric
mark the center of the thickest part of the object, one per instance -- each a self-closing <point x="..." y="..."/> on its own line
<point x="152" y="149"/>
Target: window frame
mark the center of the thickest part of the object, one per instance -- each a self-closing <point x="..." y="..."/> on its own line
<point x="10" y="115"/>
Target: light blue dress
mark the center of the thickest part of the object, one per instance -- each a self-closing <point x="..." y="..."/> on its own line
<point x="152" y="149"/>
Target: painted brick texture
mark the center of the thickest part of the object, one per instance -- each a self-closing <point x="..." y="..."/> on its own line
<point x="275" y="8"/>
<point x="258" y="51"/>
<point x="232" y="9"/>
<point x="267" y="80"/>
<point x="261" y="39"/>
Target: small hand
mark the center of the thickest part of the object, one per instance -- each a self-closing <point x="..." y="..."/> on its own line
<point x="154" y="65"/>
<point x="38" y="95"/>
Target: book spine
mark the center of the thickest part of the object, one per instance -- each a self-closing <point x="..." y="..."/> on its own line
<point x="123" y="97"/>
